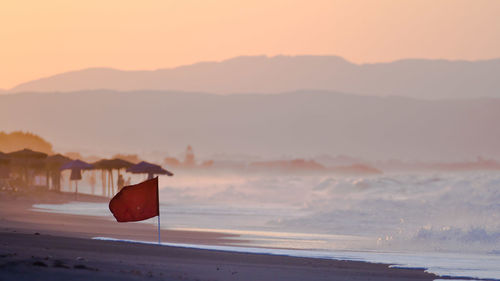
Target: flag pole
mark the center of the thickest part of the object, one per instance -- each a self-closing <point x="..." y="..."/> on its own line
<point x="159" y="236"/>
<point x="158" y="198"/>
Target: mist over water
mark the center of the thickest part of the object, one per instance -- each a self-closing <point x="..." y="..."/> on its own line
<point x="446" y="222"/>
<point x="455" y="212"/>
<point x="427" y="212"/>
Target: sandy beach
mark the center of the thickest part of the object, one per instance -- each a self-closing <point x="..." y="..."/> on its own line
<point x="48" y="246"/>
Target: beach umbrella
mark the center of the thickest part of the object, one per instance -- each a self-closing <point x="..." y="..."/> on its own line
<point x="76" y="164"/>
<point x="57" y="160"/>
<point x="27" y="159"/>
<point x="4" y="158"/>
<point x="76" y="167"/>
<point x="110" y="165"/>
<point x="148" y="168"/>
<point x="53" y="165"/>
<point x="27" y="154"/>
<point x="4" y="168"/>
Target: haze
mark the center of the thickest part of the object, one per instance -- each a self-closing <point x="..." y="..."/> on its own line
<point x="43" y="38"/>
<point x="345" y="130"/>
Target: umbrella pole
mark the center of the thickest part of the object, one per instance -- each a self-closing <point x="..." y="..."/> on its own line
<point x="107" y="187"/>
<point x="109" y="184"/>
<point x="47" y="185"/>
<point x="112" y="183"/>
<point x="58" y="182"/>
<point x="92" y="177"/>
<point x="110" y="177"/>
<point x="103" y="183"/>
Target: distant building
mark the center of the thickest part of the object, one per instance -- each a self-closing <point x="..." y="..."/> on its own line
<point x="189" y="161"/>
<point x="189" y="158"/>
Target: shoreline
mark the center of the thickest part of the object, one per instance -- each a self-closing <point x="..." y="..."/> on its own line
<point x="16" y="213"/>
<point x="47" y="257"/>
<point x="26" y="235"/>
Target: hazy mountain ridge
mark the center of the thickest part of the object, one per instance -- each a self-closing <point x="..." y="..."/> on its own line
<point x="296" y="124"/>
<point x="417" y="78"/>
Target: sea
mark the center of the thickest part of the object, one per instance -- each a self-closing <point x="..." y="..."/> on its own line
<point x="446" y="222"/>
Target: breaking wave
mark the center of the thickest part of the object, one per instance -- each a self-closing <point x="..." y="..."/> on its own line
<point x="453" y="212"/>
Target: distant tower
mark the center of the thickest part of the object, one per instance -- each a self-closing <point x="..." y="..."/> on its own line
<point x="189" y="160"/>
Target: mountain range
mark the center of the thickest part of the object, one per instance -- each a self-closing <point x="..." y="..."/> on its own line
<point x="294" y="124"/>
<point x="417" y="78"/>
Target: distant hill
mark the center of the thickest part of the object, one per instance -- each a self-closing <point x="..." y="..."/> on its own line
<point x="14" y="141"/>
<point x="416" y="78"/>
<point x="299" y="124"/>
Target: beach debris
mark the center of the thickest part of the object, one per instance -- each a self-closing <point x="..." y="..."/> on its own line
<point x="7" y="255"/>
<point x="82" y="266"/>
<point x="136" y="272"/>
<point x="40" y="263"/>
<point x="59" y="264"/>
<point x="80" y="259"/>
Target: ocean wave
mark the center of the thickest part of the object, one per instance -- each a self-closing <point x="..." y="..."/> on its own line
<point x="434" y="211"/>
<point x="471" y="235"/>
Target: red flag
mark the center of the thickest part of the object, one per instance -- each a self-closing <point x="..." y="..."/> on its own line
<point x="136" y="202"/>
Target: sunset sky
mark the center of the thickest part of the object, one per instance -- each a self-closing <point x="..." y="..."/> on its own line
<point x="42" y="38"/>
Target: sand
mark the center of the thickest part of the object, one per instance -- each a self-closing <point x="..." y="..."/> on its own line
<point x="47" y="246"/>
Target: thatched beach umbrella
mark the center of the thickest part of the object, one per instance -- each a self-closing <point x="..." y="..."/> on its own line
<point x="109" y="165"/>
<point x="57" y="160"/>
<point x="149" y="169"/>
<point x="53" y="165"/>
<point x="76" y="167"/>
<point x="4" y="168"/>
<point x="4" y="158"/>
<point x="27" y="154"/>
<point x="27" y="159"/>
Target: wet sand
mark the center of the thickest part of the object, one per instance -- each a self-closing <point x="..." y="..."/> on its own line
<point x="16" y="214"/>
<point x="48" y="246"/>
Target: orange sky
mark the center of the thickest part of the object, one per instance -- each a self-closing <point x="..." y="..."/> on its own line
<point x="41" y="38"/>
